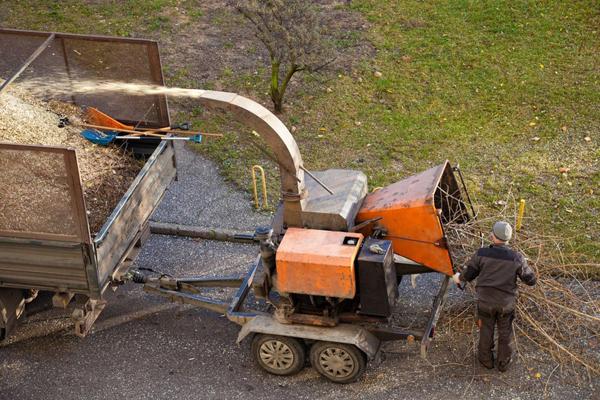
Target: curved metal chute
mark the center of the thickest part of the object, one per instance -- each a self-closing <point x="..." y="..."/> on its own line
<point x="277" y="137"/>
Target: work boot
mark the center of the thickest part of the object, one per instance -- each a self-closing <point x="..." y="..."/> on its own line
<point x="503" y="365"/>
<point x="489" y="364"/>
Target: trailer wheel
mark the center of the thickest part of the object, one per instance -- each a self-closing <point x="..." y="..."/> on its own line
<point x="279" y="355"/>
<point x="338" y="362"/>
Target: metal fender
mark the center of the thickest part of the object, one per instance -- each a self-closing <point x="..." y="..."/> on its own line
<point x="343" y="333"/>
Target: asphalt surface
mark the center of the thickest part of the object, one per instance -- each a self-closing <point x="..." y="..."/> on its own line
<point x="145" y="348"/>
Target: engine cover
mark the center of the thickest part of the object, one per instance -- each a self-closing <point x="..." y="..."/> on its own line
<point x="317" y="262"/>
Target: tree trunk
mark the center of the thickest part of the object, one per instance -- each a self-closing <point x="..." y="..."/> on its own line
<point x="274" y="91"/>
<point x="278" y="105"/>
<point x="277" y="90"/>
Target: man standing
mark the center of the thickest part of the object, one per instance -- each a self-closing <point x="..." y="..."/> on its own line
<point x="496" y="268"/>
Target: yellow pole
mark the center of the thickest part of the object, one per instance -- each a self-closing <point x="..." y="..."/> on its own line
<point x="521" y="213"/>
<point x="264" y="185"/>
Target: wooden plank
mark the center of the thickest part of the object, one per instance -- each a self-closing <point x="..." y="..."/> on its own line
<point x="34" y="147"/>
<point x="24" y="273"/>
<point x="40" y="236"/>
<point x="41" y="243"/>
<point x="18" y="273"/>
<point x="31" y="265"/>
<point x="42" y="254"/>
<point x="19" y="268"/>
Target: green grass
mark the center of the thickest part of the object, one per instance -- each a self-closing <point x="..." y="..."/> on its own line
<point x="470" y="81"/>
<point x="120" y="18"/>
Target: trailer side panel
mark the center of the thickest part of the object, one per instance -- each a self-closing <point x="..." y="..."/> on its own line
<point x="43" y="264"/>
<point x="133" y="211"/>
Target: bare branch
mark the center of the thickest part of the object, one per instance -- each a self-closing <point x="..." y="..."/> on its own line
<point x="291" y="31"/>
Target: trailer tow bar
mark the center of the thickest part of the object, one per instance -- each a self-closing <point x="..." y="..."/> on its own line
<point x="189" y="291"/>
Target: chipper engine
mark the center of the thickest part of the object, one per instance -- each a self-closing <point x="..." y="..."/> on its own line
<point x="330" y="264"/>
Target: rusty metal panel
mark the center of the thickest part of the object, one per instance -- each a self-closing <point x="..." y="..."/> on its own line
<point x="317" y="262"/>
<point x="40" y="194"/>
<point x="413" y="212"/>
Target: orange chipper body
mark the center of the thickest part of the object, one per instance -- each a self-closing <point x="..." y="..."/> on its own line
<point x="317" y="262"/>
<point x="411" y="217"/>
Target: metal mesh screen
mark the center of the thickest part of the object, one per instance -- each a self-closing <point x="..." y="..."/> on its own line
<point x="37" y="197"/>
<point x="14" y="50"/>
<point x="82" y="58"/>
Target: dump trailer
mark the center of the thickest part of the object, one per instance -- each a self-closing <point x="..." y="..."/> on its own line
<point x="49" y="247"/>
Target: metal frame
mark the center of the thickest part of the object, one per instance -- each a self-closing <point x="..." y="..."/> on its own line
<point x="28" y="62"/>
<point x="342" y="333"/>
<point x="75" y="193"/>
<point x="186" y="291"/>
<point x="438" y="304"/>
<point x="366" y="338"/>
<point x="151" y="47"/>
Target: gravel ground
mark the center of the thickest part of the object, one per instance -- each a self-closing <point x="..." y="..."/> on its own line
<point x="145" y="348"/>
<point x="201" y="197"/>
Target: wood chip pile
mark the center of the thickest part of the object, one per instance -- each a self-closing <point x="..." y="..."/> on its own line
<point x="106" y="172"/>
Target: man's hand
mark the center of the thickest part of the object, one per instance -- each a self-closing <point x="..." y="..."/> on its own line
<point x="456" y="278"/>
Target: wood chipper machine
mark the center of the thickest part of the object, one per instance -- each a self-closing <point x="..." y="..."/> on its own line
<point x="331" y="262"/>
<point x="329" y="266"/>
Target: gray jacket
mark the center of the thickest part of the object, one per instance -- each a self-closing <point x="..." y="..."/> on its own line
<point x="496" y="268"/>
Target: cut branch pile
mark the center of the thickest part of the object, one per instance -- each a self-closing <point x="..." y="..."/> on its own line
<point x="561" y="314"/>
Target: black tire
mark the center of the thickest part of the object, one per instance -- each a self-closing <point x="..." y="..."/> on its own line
<point x="278" y="355"/>
<point x="338" y="362"/>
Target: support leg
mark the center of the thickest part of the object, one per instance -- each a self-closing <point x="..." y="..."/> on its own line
<point x="438" y="303"/>
<point x="12" y="305"/>
<point x="85" y="316"/>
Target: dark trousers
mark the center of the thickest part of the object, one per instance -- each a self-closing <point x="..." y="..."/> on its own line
<point x="489" y="317"/>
